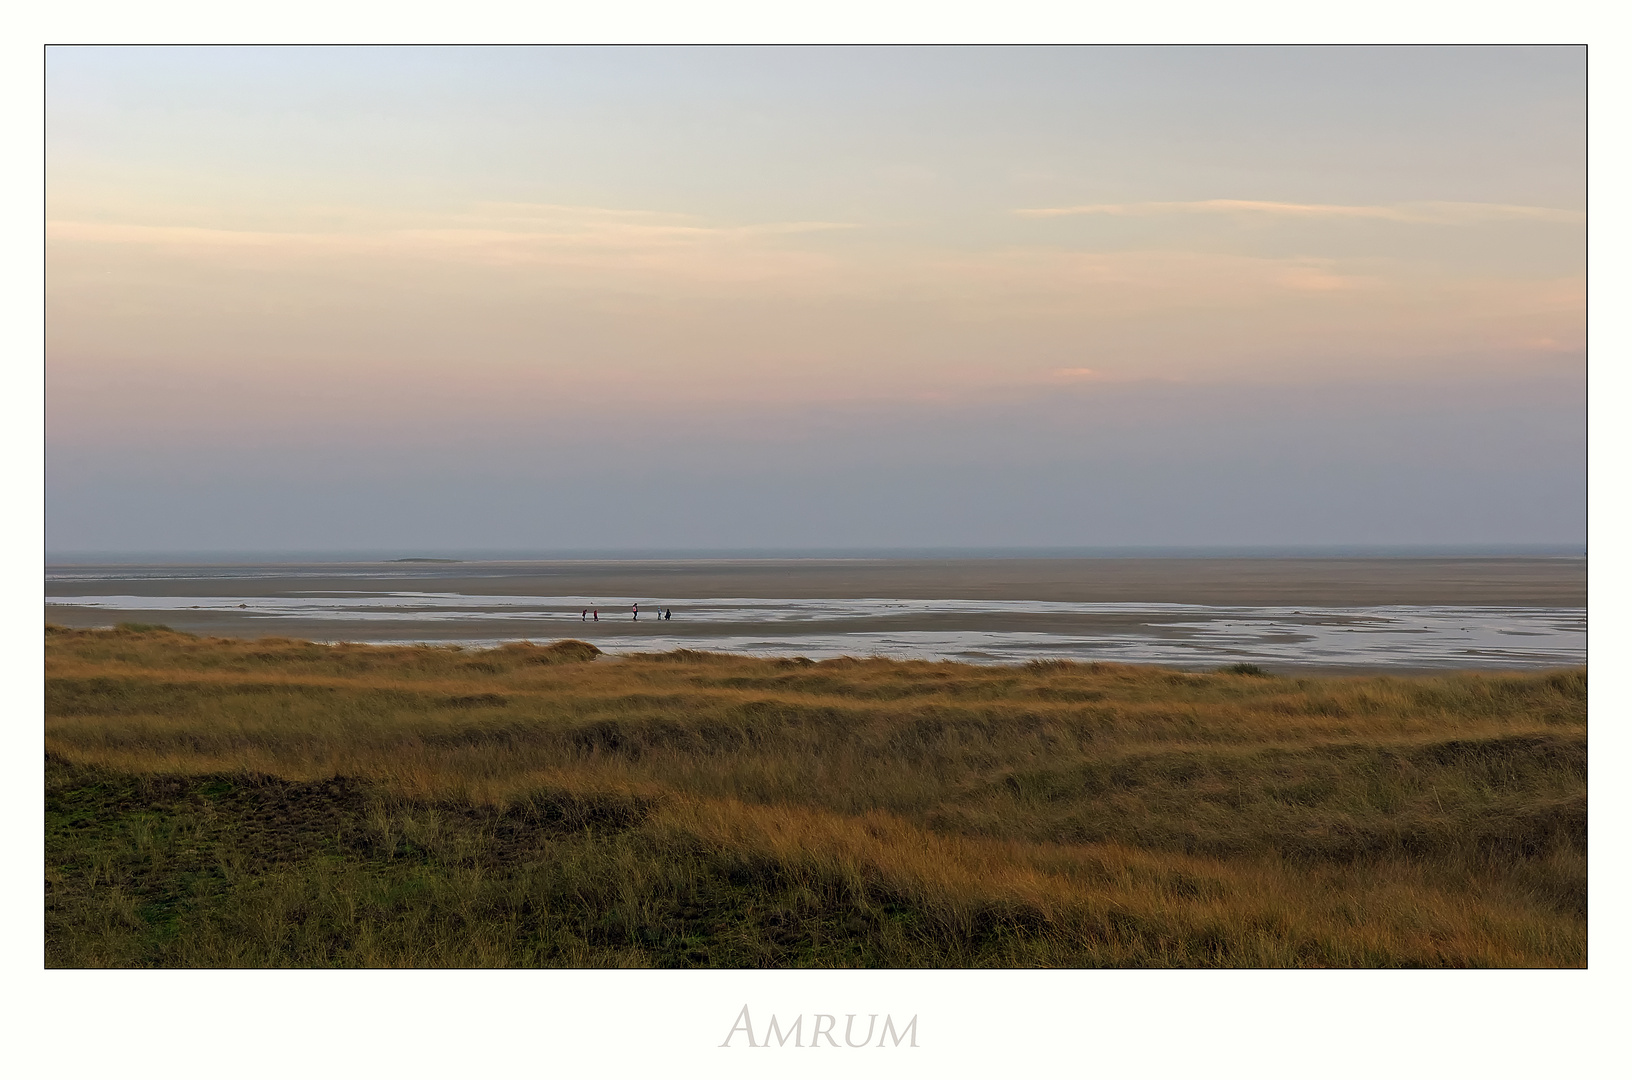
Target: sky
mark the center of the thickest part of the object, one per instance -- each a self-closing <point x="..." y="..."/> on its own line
<point x="429" y="299"/>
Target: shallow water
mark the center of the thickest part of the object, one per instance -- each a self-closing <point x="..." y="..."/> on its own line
<point x="979" y="631"/>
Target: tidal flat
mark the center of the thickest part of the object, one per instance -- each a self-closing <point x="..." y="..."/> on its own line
<point x="236" y="801"/>
<point x="1305" y="615"/>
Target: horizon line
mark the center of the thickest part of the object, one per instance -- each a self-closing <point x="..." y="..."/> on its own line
<point x="429" y="555"/>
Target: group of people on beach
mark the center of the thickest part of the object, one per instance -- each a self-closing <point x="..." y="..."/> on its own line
<point x="594" y="614"/>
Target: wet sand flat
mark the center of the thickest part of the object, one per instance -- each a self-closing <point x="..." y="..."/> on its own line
<point x="1326" y="613"/>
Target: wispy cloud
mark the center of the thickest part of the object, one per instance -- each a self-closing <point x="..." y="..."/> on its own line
<point x="1421" y="213"/>
<point x="547" y="217"/>
<point x="595" y="304"/>
<point x="581" y="237"/>
<point x="494" y="223"/>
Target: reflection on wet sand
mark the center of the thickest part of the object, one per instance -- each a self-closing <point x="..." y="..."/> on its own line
<point x="1402" y="614"/>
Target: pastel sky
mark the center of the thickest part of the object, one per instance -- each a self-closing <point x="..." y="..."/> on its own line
<point x="632" y="298"/>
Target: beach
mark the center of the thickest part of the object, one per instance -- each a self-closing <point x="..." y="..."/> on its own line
<point x="1319" y="613"/>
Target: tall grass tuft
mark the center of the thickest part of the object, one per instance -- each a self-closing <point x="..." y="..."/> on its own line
<point x="276" y="802"/>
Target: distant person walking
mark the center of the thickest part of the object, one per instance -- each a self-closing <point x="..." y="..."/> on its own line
<point x="597" y="615"/>
<point x="637" y="612"/>
<point x="585" y="616"/>
<point x="668" y="613"/>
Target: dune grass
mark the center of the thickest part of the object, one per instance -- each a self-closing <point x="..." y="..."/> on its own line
<point x="275" y="802"/>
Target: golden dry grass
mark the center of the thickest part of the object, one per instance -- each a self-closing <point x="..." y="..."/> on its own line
<point x="279" y="802"/>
